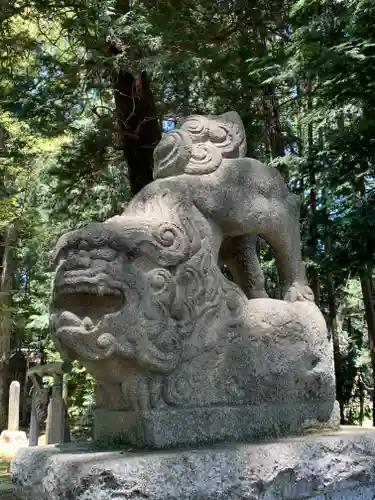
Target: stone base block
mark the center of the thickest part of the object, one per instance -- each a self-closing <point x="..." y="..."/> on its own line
<point x="334" y="466"/>
<point x="159" y="429"/>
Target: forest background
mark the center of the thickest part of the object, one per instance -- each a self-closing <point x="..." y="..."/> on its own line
<point x="87" y="88"/>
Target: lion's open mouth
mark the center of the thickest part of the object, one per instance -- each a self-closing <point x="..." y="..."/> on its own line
<point x="88" y="300"/>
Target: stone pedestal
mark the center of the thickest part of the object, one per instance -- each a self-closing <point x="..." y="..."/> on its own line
<point x="332" y="466"/>
<point x="175" y="428"/>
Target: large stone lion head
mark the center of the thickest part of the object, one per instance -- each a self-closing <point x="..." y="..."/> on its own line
<point x="136" y="293"/>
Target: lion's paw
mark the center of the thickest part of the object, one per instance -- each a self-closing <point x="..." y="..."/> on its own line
<point x="257" y="293"/>
<point x="298" y="292"/>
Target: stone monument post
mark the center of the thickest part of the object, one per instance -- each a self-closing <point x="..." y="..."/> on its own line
<point x="13" y="435"/>
<point x="57" y="430"/>
<point x="34" y="418"/>
<point x="14" y="406"/>
<point x="56" y="413"/>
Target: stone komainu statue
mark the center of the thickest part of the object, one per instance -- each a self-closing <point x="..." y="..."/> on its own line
<point x="181" y="355"/>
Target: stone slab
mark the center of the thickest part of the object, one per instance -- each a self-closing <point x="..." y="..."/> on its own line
<point x="168" y="428"/>
<point x="334" y="466"/>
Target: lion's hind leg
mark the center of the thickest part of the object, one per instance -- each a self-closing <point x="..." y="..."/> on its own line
<point x="282" y="233"/>
<point x="240" y="255"/>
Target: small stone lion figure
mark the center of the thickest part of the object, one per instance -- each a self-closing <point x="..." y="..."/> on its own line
<point x="181" y="355"/>
<point x="244" y="197"/>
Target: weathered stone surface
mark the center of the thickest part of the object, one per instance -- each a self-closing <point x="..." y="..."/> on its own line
<point x="140" y="300"/>
<point x="198" y="426"/>
<point x="333" y="467"/>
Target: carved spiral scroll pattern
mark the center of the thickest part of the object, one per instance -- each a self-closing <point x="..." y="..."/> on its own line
<point x="228" y="138"/>
<point x="205" y="159"/>
<point x="203" y="297"/>
<point x="172" y="154"/>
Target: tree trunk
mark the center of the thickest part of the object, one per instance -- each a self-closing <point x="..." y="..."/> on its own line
<point x="332" y="328"/>
<point x="361" y="388"/>
<point x="139" y="128"/>
<point x="273" y="125"/>
<point x="138" y="125"/>
<point x="315" y="284"/>
<point x="331" y="297"/>
<point x="271" y="113"/>
<point x="7" y="266"/>
<point x="367" y="289"/>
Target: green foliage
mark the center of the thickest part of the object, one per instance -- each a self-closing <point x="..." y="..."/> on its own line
<point x="81" y="387"/>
